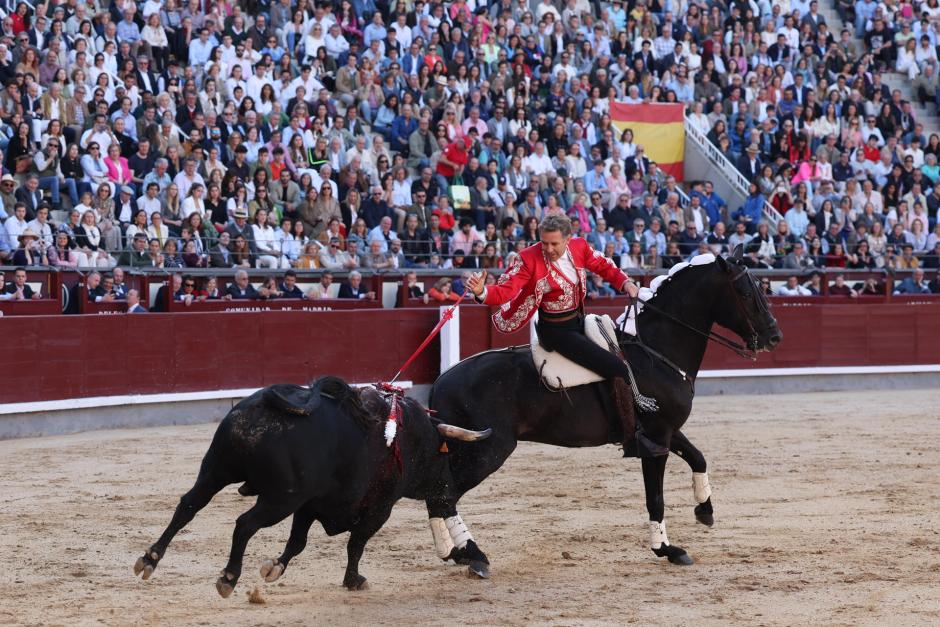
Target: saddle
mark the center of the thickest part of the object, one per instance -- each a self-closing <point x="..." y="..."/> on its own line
<point x="559" y="372"/>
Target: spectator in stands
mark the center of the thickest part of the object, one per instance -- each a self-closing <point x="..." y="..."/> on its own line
<point x="288" y="286"/>
<point x="321" y="289"/>
<point x="839" y="288"/>
<point x="118" y="286"/>
<point x="41" y="226"/>
<point x="186" y="293"/>
<point x="332" y="257"/>
<point x="97" y="289"/>
<point x="219" y="255"/>
<point x="241" y="289"/>
<point x="241" y="253"/>
<point x="133" y="302"/>
<point x="443" y="291"/>
<point x="353" y="288"/>
<point x="914" y="284"/>
<point x="751" y="211"/>
<point x="136" y="254"/>
<point x="19" y="289"/>
<point x="690" y="239"/>
<point x="798" y="258"/>
<point x="793" y="288"/>
<point x="31" y="251"/>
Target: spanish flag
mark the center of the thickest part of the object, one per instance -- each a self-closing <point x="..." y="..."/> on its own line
<point x="660" y="128"/>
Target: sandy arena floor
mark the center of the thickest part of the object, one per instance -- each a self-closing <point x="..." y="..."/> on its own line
<point x="826" y="513"/>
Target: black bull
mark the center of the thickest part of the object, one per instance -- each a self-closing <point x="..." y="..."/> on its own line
<point x="331" y="466"/>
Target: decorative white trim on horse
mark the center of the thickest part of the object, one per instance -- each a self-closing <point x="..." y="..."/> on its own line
<point x="443" y="543"/>
<point x="658" y="534"/>
<point x="458" y="531"/>
<point x="646" y="293"/>
<point x="700" y="486"/>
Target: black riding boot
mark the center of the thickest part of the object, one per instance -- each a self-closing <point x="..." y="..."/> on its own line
<point x="635" y="441"/>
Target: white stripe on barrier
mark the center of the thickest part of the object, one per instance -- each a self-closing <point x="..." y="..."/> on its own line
<point x="177" y="397"/>
<point x="820" y="370"/>
<point x="140" y="399"/>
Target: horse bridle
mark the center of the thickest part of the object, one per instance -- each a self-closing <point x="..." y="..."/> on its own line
<point x="748" y="351"/>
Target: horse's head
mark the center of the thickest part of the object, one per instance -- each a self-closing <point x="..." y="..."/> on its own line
<point x="746" y="310"/>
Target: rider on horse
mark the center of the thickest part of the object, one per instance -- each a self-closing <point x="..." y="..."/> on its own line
<point x="551" y="278"/>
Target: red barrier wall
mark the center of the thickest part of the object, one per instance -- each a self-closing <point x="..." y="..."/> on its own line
<point x="51" y="358"/>
<point x="54" y="357"/>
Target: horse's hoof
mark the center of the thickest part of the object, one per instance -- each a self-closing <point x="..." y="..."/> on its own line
<point x="478" y="570"/>
<point x="145" y="564"/>
<point x="706" y="519"/>
<point x="356" y="583"/>
<point x="674" y="554"/>
<point x="225" y="588"/>
<point x="458" y="556"/>
<point x="271" y="570"/>
<point x="225" y="584"/>
<point x="703" y="513"/>
<point x="681" y="560"/>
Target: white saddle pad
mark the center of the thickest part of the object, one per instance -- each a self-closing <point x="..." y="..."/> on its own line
<point x="558" y="371"/>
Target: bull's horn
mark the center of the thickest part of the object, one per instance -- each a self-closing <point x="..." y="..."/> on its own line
<point x="465" y="435"/>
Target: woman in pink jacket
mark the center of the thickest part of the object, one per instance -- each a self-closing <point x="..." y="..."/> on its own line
<point x="119" y="173"/>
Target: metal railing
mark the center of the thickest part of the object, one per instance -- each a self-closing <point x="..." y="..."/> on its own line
<point x="726" y="169"/>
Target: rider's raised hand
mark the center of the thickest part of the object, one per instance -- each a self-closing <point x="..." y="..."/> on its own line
<point x="477" y="282"/>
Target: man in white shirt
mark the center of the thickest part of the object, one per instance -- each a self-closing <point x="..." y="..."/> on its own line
<point x="539" y="165"/>
<point x="334" y="41"/>
<point x="16" y="224"/>
<point x="149" y="202"/>
<point x="402" y="31"/>
<point x="306" y="80"/>
<point x="793" y="288"/>
<point x="257" y="81"/>
<point x="188" y="177"/>
<point x="99" y="134"/>
<point x="383" y="234"/>
<point x="41" y="226"/>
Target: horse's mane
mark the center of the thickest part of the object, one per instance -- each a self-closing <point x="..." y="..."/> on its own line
<point x="658" y="286"/>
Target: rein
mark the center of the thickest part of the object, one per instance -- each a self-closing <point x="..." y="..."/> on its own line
<point x="712" y="336"/>
<point x="739" y="349"/>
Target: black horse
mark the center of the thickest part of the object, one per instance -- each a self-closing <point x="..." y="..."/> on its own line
<point x="501" y="389"/>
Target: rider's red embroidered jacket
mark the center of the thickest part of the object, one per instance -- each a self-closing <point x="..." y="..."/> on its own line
<point x="532" y="281"/>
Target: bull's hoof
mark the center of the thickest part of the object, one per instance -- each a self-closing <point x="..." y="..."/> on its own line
<point x="271" y="570"/>
<point x="145" y="564"/>
<point x="478" y="570"/>
<point x="356" y="583"/>
<point x="674" y="554"/>
<point x="704" y="515"/>
<point x="225" y="584"/>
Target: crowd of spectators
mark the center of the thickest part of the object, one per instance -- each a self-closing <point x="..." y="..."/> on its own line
<point x="424" y="134"/>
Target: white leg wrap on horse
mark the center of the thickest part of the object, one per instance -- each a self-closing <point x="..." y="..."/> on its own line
<point x="458" y="531"/>
<point x="442" y="540"/>
<point x="701" y="487"/>
<point x="658" y="534"/>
